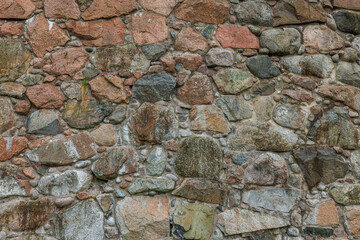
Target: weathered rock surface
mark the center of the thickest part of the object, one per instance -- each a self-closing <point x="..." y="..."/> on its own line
<point x="11" y="89"/>
<point x="321" y="38"/>
<point x="235" y="36"/>
<point x="250" y="221"/>
<point x="141" y="185"/>
<point x="156" y="162"/>
<point x="233" y="81"/>
<point x="45" y="96"/>
<point x="189" y="40"/>
<point x="347" y="194"/>
<point x="262" y="67"/>
<point x="104" y="135"/>
<point x="290" y="116"/>
<point x="281" y="42"/>
<point x="234" y="108"/>
<point x="220" y="57"/>
<point x="355" y="163"/>
<point x="107" y="9"/>
<point x="198" y="157"/>
<point x="347" y="21"/>
<point x="323" y="214"/>
<point x="352" y="215"/>
<point x="348" y="73"/>
<point x="67" y="9"/>
<point x="208" y="118"/>
<point x="148" y="28"/>
<point x="153" y="51"/>
<point x="9" y="185"/>
<point x="163" y="7"/>
<point x="320" y="164"/>
<point x="7" y="116"/>
<point x="16" y="9"/>
<point x="142" y="217"/>
<point x="348" y="95"/>
<point x="11" y="147"/>
<point x="46" y="122"/>
<point x="254" y="12"/>
<point x="108" y="88"/>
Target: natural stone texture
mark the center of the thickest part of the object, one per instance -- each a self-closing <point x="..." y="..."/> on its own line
<point x="262" y="136"/>
<point x="235" y="36"/>
<point x="82" y="221"/>
<point x="61" y="9"/>
<point x="202" y="190"/>
<point x="11" y="89"/>
<point x="163" y="7"/>
<point x="104" y="135"/>
<point x="86" y="114"/>
<point x="9" y="185"/>
<point x="275" y="199"/>
<point x="10" y="147"/>
<point x="249" y="221"/>
<point x="156" y="162"/>
<point x="119" y="114"/>
<point x="347" y="194"/>
<point x="45" y="96"/>
<point x="348" y="73"/>
<point x="44" y="35"/>
<point x="320" y="164"/>
<point x="206" y="11"/>
<point x="348" y="95"/>
<point x="197" y="90"/>
<point x="46" y="122"/>
<point x="348" y="4"/>
<point x="109" y="164"/>
<point x="192" y="221"/>
<point x="234" y="108"/>
<point x="208" y="118"/>
<point x="21" y="215"/>
<point x="64" y="151"/>
<point x="142" y="217"/>
<point x="105" y="201"/>
<point x="264" y="108"/>
<point x="130" y="160"/>
<point x="219" y="57"/>
<point x="323" y="214"/>
<point x="254" y="12"/>
<point x="154" y="87"/>
<point x="297" y="11"/>
<point x="350" y="55"/>
<point x="267" y="170"/>
<point x="11" y="29"/>
<point x="285" y="41"/>
<point x="318" y="231"/>
<point x="347" y="21"/>
<point x="109" y="8"/>
<point x="141" y="185"/>
<point x="290" y="116"/>
<point x="198" y="157"/>
<point x="262" y="67"/>
<point x="68" y="182"/>
<point x="100" y="33"/>
<point x="355" y="163"/>
<point x="31" y="80"/>
<point x="313" y="65"/>
<point x="334" y="128"/>
<point x="352" y="220"/>
<point x="14" y="60"/>
<point x="154" y="124"/>
<point x="16" y="9"/>
<point x="7" y="116"/>
<point x="233" y="80"/>
<point x="153" y="51"/>
<point x="124" y="59"/>
<point x="189" y="40"/>
<point x="67" y="61"/>
<point x="148" y="28"/>
<point x="190" y="61"/>
<point x="108" y="88"/>
<point x="321" y="38"/>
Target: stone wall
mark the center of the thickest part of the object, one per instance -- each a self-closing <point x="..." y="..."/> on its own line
<point x="179" y="119"/>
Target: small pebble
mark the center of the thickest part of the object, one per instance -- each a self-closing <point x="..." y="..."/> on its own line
<point x="110" y="221"/>
<point x="119" y="193"/>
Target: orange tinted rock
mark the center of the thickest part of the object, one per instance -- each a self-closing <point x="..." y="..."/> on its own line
<point x="148" y="28"/>
<point x="348" y="4"/>
<point x="189" y="40"/>
<point x="109" y="88"/>
<point x="190" y="61"/>
<point x="61" y="9"/>
<point x="327" y="214"/>
<point x="100" y="33"/>
<point x="163" y="7"/>
<point x="44" y="35"/>
<point x="208" y="118"/>
<point x="207" y="11"/>
<point x="11" y="29"/>
<point x="109" y="8"/>
<point x="10" y="147"/>
<point x="45" y="96"/>
<point x="352" y="220"/>
<point x="29" y="172"/>
<point x="235" y="36"/>
<point x="16" y="9"/>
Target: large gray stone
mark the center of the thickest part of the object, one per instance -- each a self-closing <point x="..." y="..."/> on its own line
<point x="156" y="162"/>
<point x="276" y="199"/>
<point x="154" y="87"/>
<point x="256" y="12"/>
<point x="219" y="57"/>
<point x="9" y="185"/>
<point x="84" y="221"/>
<point x="71" y="181"/>
<point x="285" y="41"/>
<point x="290" y="116"/>
<point x="141" y="185"/>
<point x="347" y="21"/>
<point x="348" y="73"/>
<point x="234" y="108"/>
<point x="262" y="67"/>
<point x="44" y="122"/>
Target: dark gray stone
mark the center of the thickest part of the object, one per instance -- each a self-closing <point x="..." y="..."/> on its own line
<point x="90" y="73"/>
<point x="153" y="51"/>
<point x="347" y="21"/>
<point x="45" y="122"/>
<point x="262" y="67"/>
<point x="154" y="87"/>
<point x="318" y="231"/>
<point x="348" y="73"/>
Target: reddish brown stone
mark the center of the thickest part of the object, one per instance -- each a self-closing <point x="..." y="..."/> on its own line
<point x="327" y="214"/>
<point x="67" y="61"/>
<point x="44" y="36"/>
<point x="20" y="215"/>
<point x="304" y="82"/>
<point x="100" y="33"/>
<point x="208" y="118"/>
<point x="23" y="107"/>
<point x="11" y="29"/>
<point x="235" y="36"/>
<point x="235" y="174"/>
<point x="10" y="147"/>
<point x="61" y="9"/>
<point x="352" y="214"/>
<point x="299" y="95"/>
<point x="45" y="96"/>
<point x="163" y="7"/>
<point x="197" y="90"/>
<point x="108" y="88"/>
<point x="7" y="116"/>
<point x="321" y="38"/>
<point x="148" y="28"/>
<point x="82" y="195"/>
<point x="109" y="8"/>
<point x="29" y="172"/>
<point x="189" y="40"/>
<point x="190" y="61"/>
<point x="171" y="145"/>
<point x="207" y="11"/>
<point x="169" y="62"/>
<point x="348" y="4"/>
<point x="16" y="9"/>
